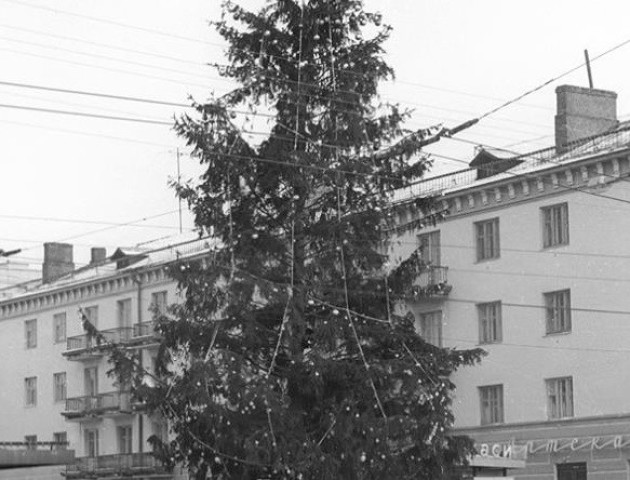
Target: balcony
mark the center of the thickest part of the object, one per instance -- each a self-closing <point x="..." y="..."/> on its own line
<point x="432" y="282"/>
<point x="124" y="465"/>
<point x="87" y="347"/>
<point x="102" y="404"/>
<point x="144" y="332"/>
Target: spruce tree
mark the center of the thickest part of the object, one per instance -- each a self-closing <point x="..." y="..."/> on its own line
<point x="292" y="356"/>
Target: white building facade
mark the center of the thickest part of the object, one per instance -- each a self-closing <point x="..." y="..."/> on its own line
<point x="54" y="376"/>
<point x="531" y="264"/>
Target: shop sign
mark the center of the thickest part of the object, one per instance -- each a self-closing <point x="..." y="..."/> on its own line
<point x="520" y="451"/>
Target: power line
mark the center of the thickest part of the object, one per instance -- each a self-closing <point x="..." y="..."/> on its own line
<point x="538" y="347"/>
<point x="111" y="69"/>
<point x="89" y="134"/>
<point x="88" y="222"/>
<point x="105" y="57"/>
<point x="83" y="114"/>
<point x="551" y="80"/>
<point x="105" y="45"/>
<point x="200" y="64"/>
<point x="95" y="94"/>
<point x="113" y="226"/>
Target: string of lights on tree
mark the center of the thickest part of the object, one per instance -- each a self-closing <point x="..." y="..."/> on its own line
<point x="279" y="364"/>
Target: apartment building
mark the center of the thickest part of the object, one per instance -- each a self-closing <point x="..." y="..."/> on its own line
<point x="55" y="386"/>
<point x="531" y="264"/>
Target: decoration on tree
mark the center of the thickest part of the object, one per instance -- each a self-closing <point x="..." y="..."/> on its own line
<point x="286" y="360"/>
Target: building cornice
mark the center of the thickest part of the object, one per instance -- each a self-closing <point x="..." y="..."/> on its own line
<point x="88" y="289"/>
<point x="587" y="174"/>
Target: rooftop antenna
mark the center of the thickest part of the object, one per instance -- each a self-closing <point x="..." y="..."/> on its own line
<point x="588" y="69"/>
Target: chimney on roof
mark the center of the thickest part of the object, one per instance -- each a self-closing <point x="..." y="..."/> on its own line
<point x="583" y="112"/>
<point x="57" y="261"/>
<point x="99" y="255"/>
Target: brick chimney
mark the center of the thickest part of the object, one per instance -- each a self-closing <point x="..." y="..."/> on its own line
<point x="98" y="255"/>
<point x="57" y="261"/>
<point x="583" y="112"/>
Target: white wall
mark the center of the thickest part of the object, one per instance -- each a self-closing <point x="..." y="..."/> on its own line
<point x="526" y="356"/>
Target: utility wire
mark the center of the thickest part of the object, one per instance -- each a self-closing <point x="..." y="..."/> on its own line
<point x="84" y="114"/>
<point x="551" y="80"/>
<point x="105" y="45"/>
<point x="263" y="73"/>
<point x="87" y="222"/>
<point x="111" y="69"/>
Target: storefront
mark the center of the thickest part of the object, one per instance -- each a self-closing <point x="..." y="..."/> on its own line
<point x="574" y="449"/>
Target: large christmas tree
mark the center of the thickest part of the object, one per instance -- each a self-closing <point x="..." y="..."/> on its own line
<point x="291" y="357"/>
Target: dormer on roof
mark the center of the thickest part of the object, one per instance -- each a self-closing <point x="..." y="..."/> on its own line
<point x="489" y="162"/>
<point x="126" y="257"/>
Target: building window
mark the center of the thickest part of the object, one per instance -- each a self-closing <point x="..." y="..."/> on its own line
<point x="429" y="244"/>
<point x="31" y="442"/>
<point x="571" y="471"/>
<point x="61" y="440"/>
<point x="431" y="327"/>
<point x="558" y="308"/>
<point x="124" y="439"/>
<point x="30" y="391"/>
<point x="491" y="400"/>
<point x="90" y="381"/>
<point x="91" y="442"/>
<point x="159" y="302"/>
<point x="555" y="225"/>
<point x="92" y="315"/>
<point x="487" y="237"/>
<point x="490" y="325"/>
<point x="124" y="313"/>
<point x="30" y="333"/>
<point x="559" y="397"/>
<point x="59" y="386"/>
<point x="59" y="327"/>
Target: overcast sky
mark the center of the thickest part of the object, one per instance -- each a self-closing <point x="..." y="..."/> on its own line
<point x="454" y="59"/>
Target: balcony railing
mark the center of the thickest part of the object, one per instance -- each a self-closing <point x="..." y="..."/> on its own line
<point x="88" y="346"/>
<point x="432" y="282"/>
<point x="144" y="329"/>
<point x="90" y="342"/>
<point x="100" y="404"/>
<point x="127" y="465"/>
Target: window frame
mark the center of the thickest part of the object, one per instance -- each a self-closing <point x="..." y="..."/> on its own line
<point x="564" y="406"/>
<point x="60" y="320"/>
<point x="91" y="314"/>
<point x="87" y="442"/>
<point x="491" y="414"/>
<point x="485" y="250"/>
<point x="60" y="389"/>
<point x="431" y="255"/>
<point x="490" y="329"/>
<point x="30" y="391"/>
<point x="60" y="437"/>
<point x="158" y="306"/>
<point x="558" y="317"/>
<point x="555" y="225"/>
<point x="30" y="333"/>
<point x="124" y="313"/>
<point x="124" y="438"/>
<point x="433" y="316"/>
